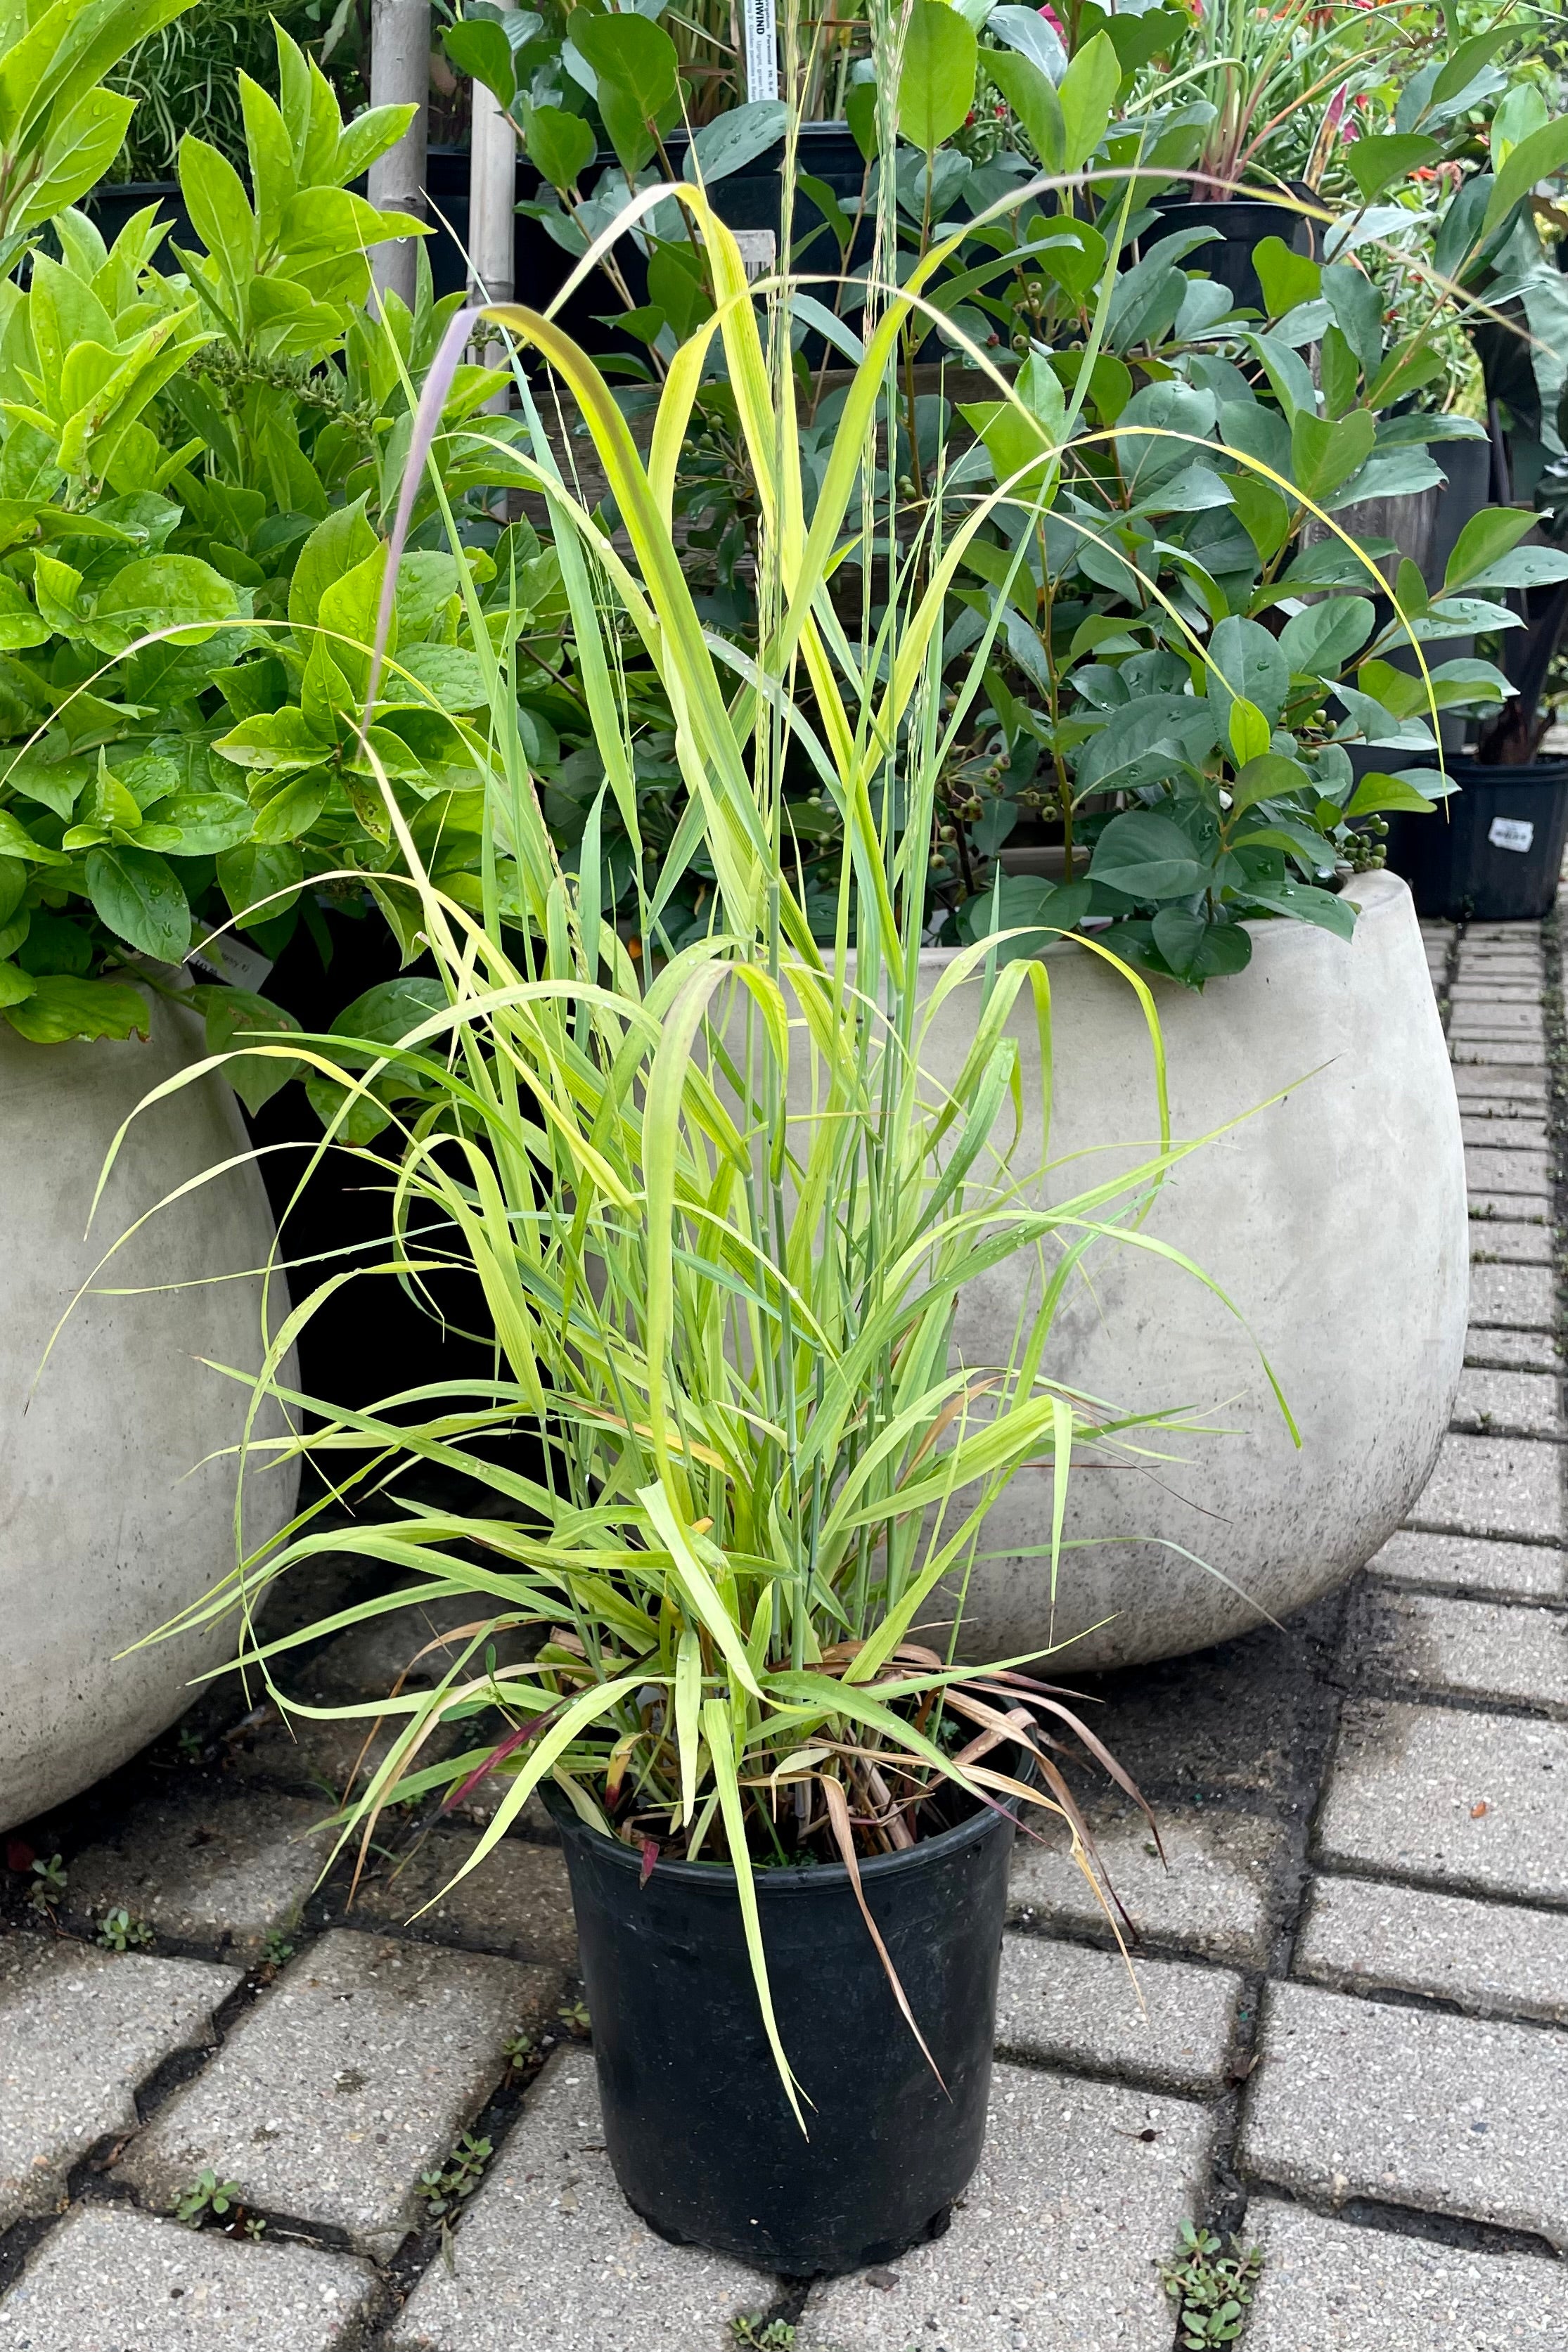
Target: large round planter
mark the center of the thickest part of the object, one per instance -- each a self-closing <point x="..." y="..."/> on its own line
<point x="116" y="1493"/>
<point x="1334" y="1217"/>
<point x="698" y="2129"/>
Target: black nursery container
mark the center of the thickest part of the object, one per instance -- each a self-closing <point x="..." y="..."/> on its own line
<point x="696" y="2122"/>
<point x="1495" y="854"/>
<point x="1243" y="222"/>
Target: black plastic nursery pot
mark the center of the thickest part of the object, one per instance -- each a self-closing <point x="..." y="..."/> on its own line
<point x="1243" y="222"/>
<point x="1494" y="854"/>
<point x="696" y="2121"/>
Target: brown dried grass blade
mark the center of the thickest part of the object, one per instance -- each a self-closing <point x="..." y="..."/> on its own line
<point x="844" y="1838"/>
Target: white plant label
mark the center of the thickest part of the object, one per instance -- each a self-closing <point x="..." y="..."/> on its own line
<point x="1511" y="833"/>
<point x="759" y="250"/>
<point x="761" y="47"/>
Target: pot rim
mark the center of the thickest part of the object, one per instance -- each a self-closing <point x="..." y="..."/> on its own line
<point x="1375" y="896"/>
<point x="829" y="1876"/>
<point x="1543" y="773"/>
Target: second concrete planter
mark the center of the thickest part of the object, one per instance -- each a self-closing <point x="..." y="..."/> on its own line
<point x="1334" y="1217"/>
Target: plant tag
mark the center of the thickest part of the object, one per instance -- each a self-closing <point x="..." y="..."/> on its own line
<point x="759" y="250"/>
<point x="761" y="47"/>
<point x="1511" y="833"/>
<point x="229" y="959"/>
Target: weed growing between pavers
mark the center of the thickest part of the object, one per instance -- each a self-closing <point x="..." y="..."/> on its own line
<point x="445" y="2186"/>
<point x="210" y="2198"/>
<point x="48" y="1891"/>
<point x="760" y="2335"/>
<point x="275" y="1949"/>
<point x="1212" y="2289"/>
<point x="120" y="1931"/>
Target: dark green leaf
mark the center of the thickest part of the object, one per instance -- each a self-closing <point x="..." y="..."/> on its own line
<point x="139" y="895"/>
<point x="1375" y="163"/>
<point x="1320" y="641"/>
<point x="1148" y="856"/>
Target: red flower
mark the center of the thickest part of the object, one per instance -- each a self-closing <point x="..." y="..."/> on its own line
<point x="1054" y="21"/>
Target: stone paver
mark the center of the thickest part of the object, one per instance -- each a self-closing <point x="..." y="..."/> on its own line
<point x="1523" y="1297"/>
<point x="516" y="1902"/>
<point x="1525" y="1054"/>
<point x="1082" y="2188"/>
<point x="1475" y="1801"/>
<point x="1529" y="1351"/>
<point x="1519" y="1208"/>
<point x="550" y="2257"/>
<point x="1478" y="1648"/>
<point x="1454" y="2114"/>
<point x="327" y="1759"/>
<point x="361" y="2066"/>
<point x="1494" y="1021"/>
<point x="1499" y="1958"/>
<point x="1508" y="1133"/>
<point x="79" y="2030"/>
<point x="203" y="1865"/>
<point x="1327" y="2287"/>
<point x="1510" y="1241"/>
<point x="1491" y="1083"/>
<point x="1516" y="1403"/>
<point x="1215" y="1896"/>
<point x="1488" y="1170"/>
<point x="1066" y="2005"/>
<point x="1506" y="1571"/>
<point x="112" y="2280"/>
<point x="1495" y="1486"/>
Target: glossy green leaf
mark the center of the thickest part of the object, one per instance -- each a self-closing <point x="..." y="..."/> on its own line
<point x="1148" y="856"/>
<point x="1377" y="792"/>
<point x="732" y="140"/>
<point x="59" y="1008"/>
<point x="936" y="84"/>
<point x="480" y="48"/>
<point x="1250" y="665"/>
<point x="138" y="895"/>
<point x="1541" y="156"/>
<point x="1286" y="276"/>
<point x="1087" y="92"/>
<point x="1377" y="162"/>
<point x="258" y="881"/>
<point x="1034" y="100"/>
<point x="1321" y="639"/>
<point x="1485" y="540"/>
<point x="560" y="145"/>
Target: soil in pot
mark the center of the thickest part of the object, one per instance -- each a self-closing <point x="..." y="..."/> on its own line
<point x="696" y="2121"/>
<point x="1494" y="853"/>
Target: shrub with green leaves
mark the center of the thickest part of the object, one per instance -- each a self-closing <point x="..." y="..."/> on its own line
<point x="188" y="462"/>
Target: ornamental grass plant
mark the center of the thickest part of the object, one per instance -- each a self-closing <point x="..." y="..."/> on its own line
<point x="719" y="1499"/>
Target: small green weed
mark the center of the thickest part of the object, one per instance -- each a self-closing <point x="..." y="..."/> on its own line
<point x="760" y="2335"/>
<point x="517" y="2049"/>
<point x="1213" y="2289"/>
<point x="190" y="1747"/>
<point x="573" y="2016"/>
<point x="48" y="1891"/>
<point x="207" y="2195"/>
<point x="444" y="2187"/>
<point x="275" y="1949"/>
<point x="121" y="1933"/>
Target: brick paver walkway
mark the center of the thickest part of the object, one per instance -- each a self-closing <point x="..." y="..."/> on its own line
<point x="1354" y="1973"/>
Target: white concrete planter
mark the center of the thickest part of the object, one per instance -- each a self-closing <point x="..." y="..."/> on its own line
<point x="1335" y="1218"/>
<point x="112" y="1514"/>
